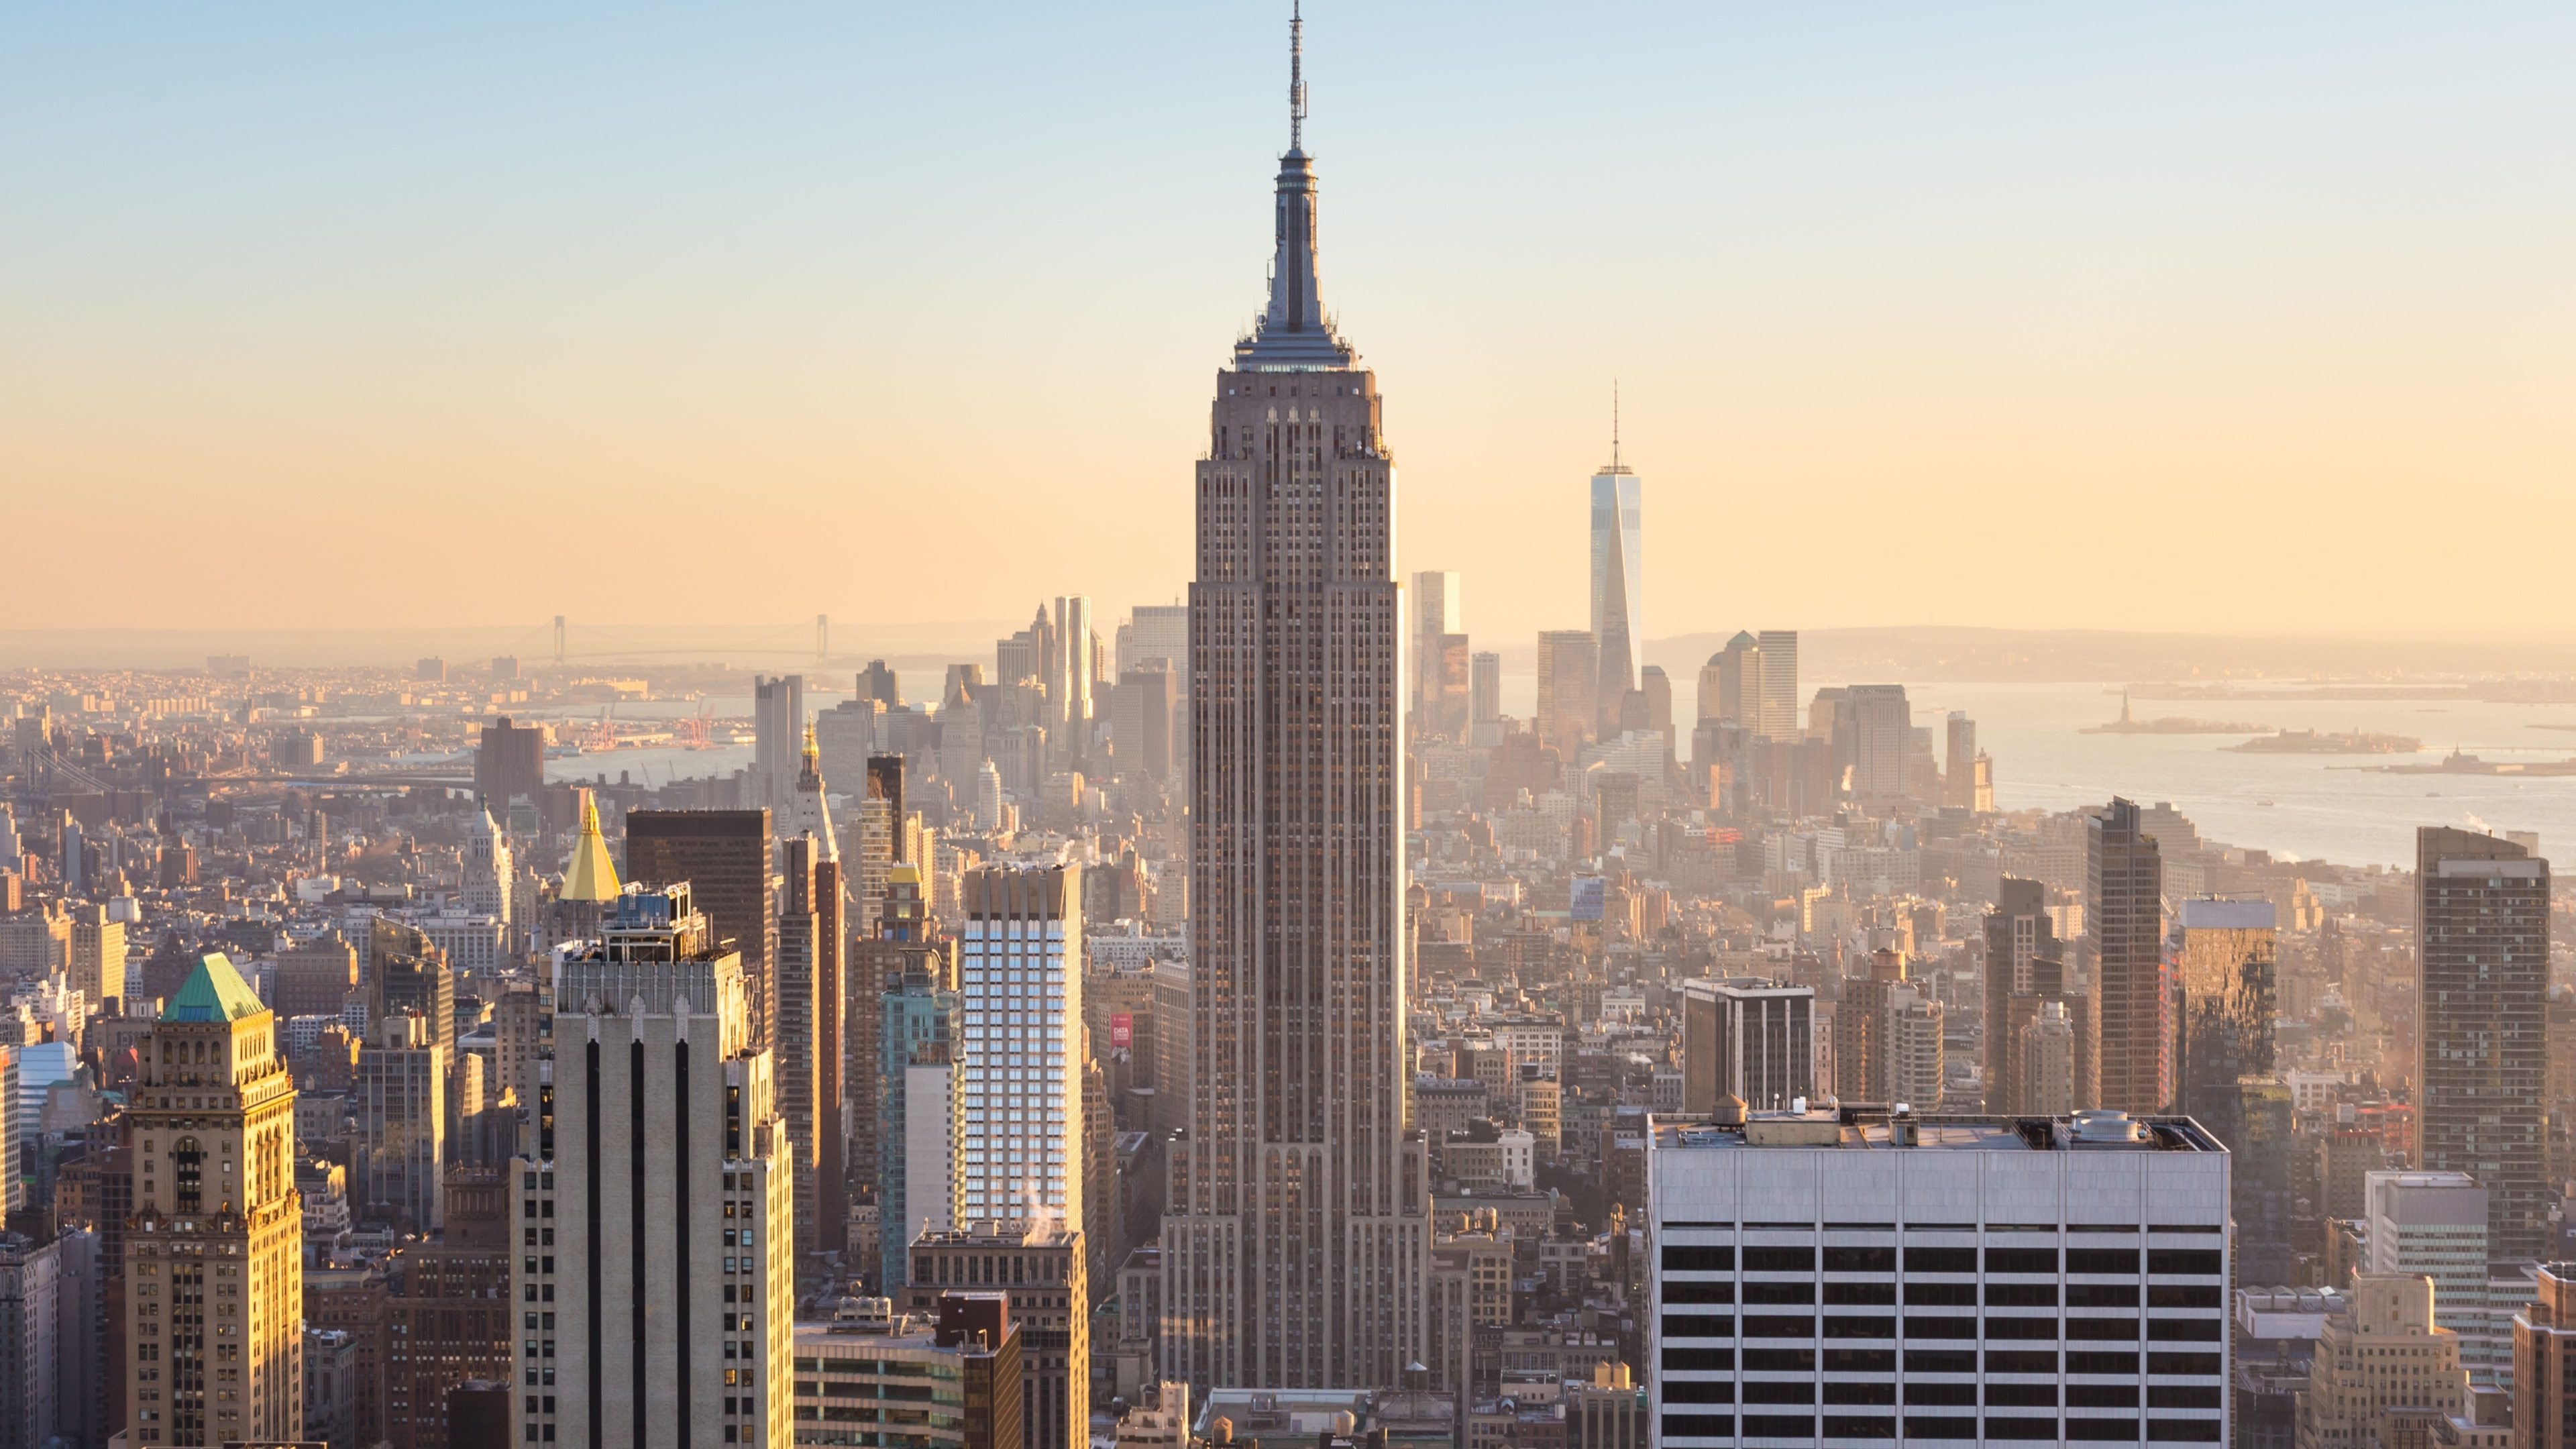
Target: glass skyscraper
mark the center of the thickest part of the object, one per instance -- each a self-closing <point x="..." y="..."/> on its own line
<point x="1618" y="586"/>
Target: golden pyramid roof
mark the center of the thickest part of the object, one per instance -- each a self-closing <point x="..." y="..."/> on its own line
<point x="592" y="876"/>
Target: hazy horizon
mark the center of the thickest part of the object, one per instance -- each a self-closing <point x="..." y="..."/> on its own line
<point x="2191" y="320"/>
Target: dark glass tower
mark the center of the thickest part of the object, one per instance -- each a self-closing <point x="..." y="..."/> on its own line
<point x="2124" y="911"/>
<point x="1298" y="1242"/>
<point x="2482" y="948"/>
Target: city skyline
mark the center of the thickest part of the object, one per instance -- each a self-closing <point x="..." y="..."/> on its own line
<point x="2339" y="226"/>
<point x="1347" y="1003"/>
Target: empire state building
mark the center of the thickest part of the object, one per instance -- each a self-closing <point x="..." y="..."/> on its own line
<point x="1297" y="1245"/>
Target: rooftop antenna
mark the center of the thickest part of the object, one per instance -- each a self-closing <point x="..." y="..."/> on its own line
<point x="1296" y="75"/>
<point x="1614" y="425"/>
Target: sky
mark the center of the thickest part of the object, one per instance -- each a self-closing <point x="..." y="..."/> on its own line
<point x="2183" y="317"/>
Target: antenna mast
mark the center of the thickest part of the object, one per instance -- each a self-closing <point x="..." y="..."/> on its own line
<point x="1296" y="76"/>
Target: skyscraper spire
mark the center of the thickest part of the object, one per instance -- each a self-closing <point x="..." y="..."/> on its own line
<point x="1294" y="334"/>
<point x="1296" y="76"/>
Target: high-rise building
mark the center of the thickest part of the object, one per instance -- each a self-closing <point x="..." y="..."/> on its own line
<point x="489" y="870"/>
<point x="2223" y="967"/>
<point x="1859" y="1029"/>
<point x="2068" y="1277"/>
<point x="2223" y="964"/>
<point x="846" y="734"/>
<point x="917" y="1119"/>
<point x="1019" y="1086"/>
<point x="1569" y="689"/>
<point x="1298" y="1239"/>
<point x="777" y="724"/>
<point x="1156" y="631"/>
<point x="811" y="1014"/>
<point x="407" y="974"/>
<point x="35" y="1317"/>
<point x="1039" y="1272"/>
<point x="807" y="810"/>
<point x="1873" y="728"/>
<point x="2380" y="1357"/>
<point x="2544" y="1344"/>
<point x="214" y="1251"/>
<point x="1911" y="1044"/>
<point x="880" y="837"/>
<point x="1485" y="688"/>
<point x="2044" y="1061"/>
<point x="1618" y="586"/>
<point x="2025" y="973"/>
<point x="1028" y="655"/>
<point x="1438" y="610"/>
<point x="1959" y="765"/>
<point x="97" y="956"/>
<point x="451" y="1297"/>
<point x="1657" y="687"/>
<point x="1069" y="675"/>
<point x="1730" y="684"/>
<point x="2435" y="1223"/>
<point x="2482" y="930"/>
<point x="400" y="1106"/>
<point x="726" y="860"/>
<point x="2124" y="913"/>
<point x="847" y="1372"/>
<point x="1448" y="680"/>
<point x="906" y="941"/>
<point x="509" y="762"/>
<point x="878" y="684"/>
<point x="1779" y="710"/>
<point x="1140" y="727"/>
<point x="664" y="1306"/>
<point x="1748" y="1037"/>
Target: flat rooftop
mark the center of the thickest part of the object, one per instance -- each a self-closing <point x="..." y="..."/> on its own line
<point x="1866" y="1127"/>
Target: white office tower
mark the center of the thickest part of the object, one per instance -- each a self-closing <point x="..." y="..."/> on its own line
<point x="1618" y="581"/>
<point x="1019" y="1083"/>
<point x="489" y="870"/>
<point x="1824" y="1277"/>
<point x="654" y="1280"/>
<point x="777" y="723"/>
<point x="2435" y="1223"/>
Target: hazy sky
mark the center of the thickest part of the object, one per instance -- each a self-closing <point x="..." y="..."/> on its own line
<point x="2159" y="317"/>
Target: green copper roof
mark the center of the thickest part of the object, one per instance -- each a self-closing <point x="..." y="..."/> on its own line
<point x="213" y="992"/>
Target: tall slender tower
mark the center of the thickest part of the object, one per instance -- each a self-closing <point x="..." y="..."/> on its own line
<point x="1297" y="1249"/>
<point x="2124" y="911"/>
<point x="1618" y="582"/>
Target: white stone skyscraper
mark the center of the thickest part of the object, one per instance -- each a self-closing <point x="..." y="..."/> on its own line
<point x="661" y="1291"/>
<point x="488" y="866"/>
<point x="1297" y="1248"/>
